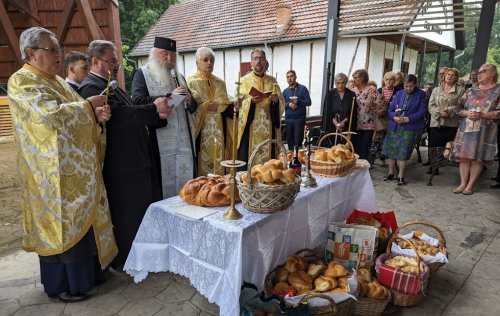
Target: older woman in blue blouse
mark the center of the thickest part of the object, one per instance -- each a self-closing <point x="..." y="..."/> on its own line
<point x="406" y="113"/>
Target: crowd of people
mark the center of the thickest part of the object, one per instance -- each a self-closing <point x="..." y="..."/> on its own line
<point x="92" y="158"/>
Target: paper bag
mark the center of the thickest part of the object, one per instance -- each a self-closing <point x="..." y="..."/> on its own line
<point x="349" y="244"/>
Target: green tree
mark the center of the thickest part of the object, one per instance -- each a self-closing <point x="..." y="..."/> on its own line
<point x="136" y="18"/>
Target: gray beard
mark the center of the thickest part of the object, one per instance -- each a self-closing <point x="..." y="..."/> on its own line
<point x="160" y="73"/>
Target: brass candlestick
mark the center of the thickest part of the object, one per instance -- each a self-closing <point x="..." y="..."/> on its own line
<point x="232" y="213"/>
<point x="308" y="180"/>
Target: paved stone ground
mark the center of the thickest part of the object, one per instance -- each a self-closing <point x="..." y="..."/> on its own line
<point x="468" y="285"/>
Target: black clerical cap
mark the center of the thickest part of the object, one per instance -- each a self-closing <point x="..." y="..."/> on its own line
<point x="165" y="43"/>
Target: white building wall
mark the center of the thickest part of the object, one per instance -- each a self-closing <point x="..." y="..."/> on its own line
<point x="306" y="58"/>
<point x="282" y="59"/>
<point x="301" y="63"/>
<point x="376" y="61"/>
<point x="317" y="60"/>
<point x="348" y="58"/>
<point x="232" y="65"/>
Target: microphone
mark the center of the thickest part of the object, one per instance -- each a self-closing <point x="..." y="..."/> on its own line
<point x="173" y="72"/>
<point x="112" y="86"/>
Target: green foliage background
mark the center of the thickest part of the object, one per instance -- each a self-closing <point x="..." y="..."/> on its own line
<point x="136" y="18"/>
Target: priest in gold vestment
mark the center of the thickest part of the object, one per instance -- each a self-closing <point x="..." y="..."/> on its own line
<point x="209" y="92"/>
<point x="259" y="115"/>
<point x="65" y="209"/>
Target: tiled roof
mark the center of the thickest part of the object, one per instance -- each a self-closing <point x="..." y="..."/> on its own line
<point x="227" y="23"/>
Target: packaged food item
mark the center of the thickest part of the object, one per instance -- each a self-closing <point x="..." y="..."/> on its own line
<point x="351" y="245"/>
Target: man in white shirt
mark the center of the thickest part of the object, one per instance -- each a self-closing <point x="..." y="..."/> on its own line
<point x="77" y="68"/>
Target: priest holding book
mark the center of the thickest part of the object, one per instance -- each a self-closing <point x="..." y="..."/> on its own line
<point x="260" y="112"/>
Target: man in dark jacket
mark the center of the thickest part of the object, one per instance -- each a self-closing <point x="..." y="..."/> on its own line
<point x="129" y="177"/>
<point x="296" y="100"/>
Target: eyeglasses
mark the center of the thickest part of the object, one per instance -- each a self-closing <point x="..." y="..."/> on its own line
<point x="112" y="63"/>
<point x="257" y="58"/>
<point x="482" y="71"/>
<point x="51" y="50"/>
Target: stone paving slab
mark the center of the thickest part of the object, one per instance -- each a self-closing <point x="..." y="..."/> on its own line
<point x="468" y="285"/>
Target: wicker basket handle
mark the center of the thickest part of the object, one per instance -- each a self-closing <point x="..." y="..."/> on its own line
<point x="331" y="302"/>
<point x="257" y="148"/>
<point x="307" y="251"/>
<point x="333" y="134"/>
<point x="393" y="238"/>
<point x="442" y="240"/>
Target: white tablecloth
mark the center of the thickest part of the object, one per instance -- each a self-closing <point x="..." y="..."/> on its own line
<point x="217" y="255"/>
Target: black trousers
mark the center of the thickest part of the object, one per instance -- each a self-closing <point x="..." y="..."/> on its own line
<point x="75" y="271"/>
<point x="294" y="133"/>
<point x="362" y="142"/>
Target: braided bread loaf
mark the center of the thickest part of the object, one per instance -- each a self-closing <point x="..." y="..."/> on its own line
<point x="208" y="191"/>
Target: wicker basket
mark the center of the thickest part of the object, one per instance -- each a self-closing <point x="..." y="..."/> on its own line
<point x="370" y="307"/>
<point x="332" y="169"/>
<point x="341" y="309"/>
<point x="267" y="198"/>
<point x="435" y="266"/>
<point x="400" y="298"/>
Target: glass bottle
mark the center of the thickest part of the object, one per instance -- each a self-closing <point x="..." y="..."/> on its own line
<point x="295" y="162"/>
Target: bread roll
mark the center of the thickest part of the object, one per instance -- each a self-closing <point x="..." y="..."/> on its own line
<point x="365" y="275"/>
<point x="323" y="283"/>
<point x="376" y="291"/>
<point x="281" y="275"/>
<point x="296" y="263"/>
<point x="335" y="270"/>
<point x="280" y="287"/>
<point x="315" y="270"/>
<point x="301" y="281"/>
<point x="259" y="312"/>
<point x="342" y="282"/>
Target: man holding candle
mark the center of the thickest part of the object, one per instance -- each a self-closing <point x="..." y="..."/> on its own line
<point x="260" y="114"/>
<point x="209" y="120"/>
<point x="129" y="176"/>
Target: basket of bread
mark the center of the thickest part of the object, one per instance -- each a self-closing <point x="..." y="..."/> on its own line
<point x="405" y="276"/>
<point x="385" y="223"/>
<point x="431" y="250"/>
<point x="373" y="296"/>
<point x="337" y="161"/>
<point x="268" y="187"/>
<point x="208" y="191"/>
<point x="328" y="288"/>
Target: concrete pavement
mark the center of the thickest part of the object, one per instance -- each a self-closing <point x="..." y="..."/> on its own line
<point x="468" y="285"/>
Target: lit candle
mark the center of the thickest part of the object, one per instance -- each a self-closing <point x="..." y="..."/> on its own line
<point x="236" y="109"/>
<point x="215" y="156"/>
<point x="350" y="119"/>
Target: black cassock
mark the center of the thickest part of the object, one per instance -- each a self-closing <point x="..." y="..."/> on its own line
<point x="129" y="167"/>
<point x="332" y="106"/>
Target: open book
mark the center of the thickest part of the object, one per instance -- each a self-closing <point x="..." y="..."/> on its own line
<point x="255" y="93"/>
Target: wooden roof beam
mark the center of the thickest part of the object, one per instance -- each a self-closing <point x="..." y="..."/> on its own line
<point x="66" y="16"/>
<point x="91" y="26"/>
<point x="10" y="32"/>
<point x="24" y="9"/>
